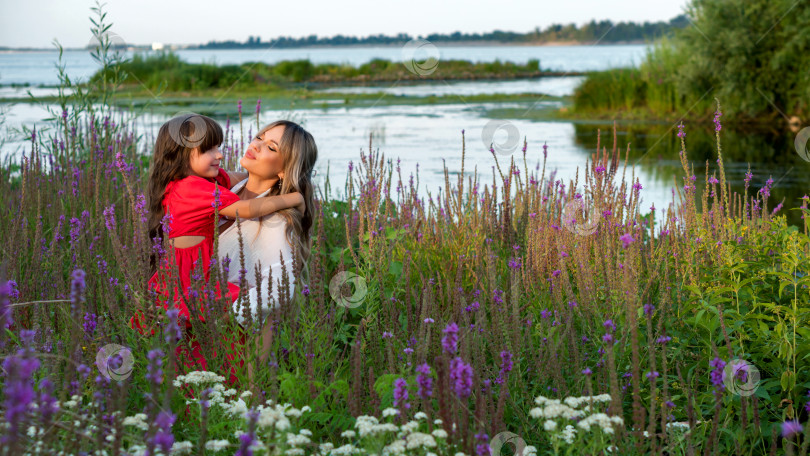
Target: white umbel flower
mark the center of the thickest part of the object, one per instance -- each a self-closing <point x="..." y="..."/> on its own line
<point x="216" y="445"/>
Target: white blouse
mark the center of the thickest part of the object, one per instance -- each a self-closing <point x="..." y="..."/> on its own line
<point x="264" y="243"/>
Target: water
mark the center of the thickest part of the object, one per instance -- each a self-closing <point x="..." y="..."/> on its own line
<point x="38" y="68"/>
<point x="556" y="86"/>
<point x="429" y="136"/>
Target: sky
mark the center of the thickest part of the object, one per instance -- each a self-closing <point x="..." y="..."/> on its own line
<point x="36" y="23"/>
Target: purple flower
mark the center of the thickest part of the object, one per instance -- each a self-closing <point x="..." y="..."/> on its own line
<point x="482" y="449"/>
<point x="48" y="405"/>
<point x="607" y="338"/>
<point x="387" y="335"/>
<point x="626" y="239"/>
<point x="77" y="286"/>
<point x="461" y="375"/>
<point x="429" y="320"/>
<point x="587" y="371"/>
<point x="247" y="439"/>
<point x="649" y="309"/>
<point x="637" y="186"/>
<point x="120" y="163"/>
<point x="681" y="133"/>
<point x="609" y="325"/>
<point x="18" y="390"/>
<point x="739" y="369"/>
<point x="652" y="375"/>
<point x="424" y="381"/>
<point x="766" y="190"/>
<point x="450" y="339"/>
<point x="109" y="217"/>
<point x="717" y="374"/>
<point x="506" y="362"/>
<point x="663" y="340"/>
<point x="791" y="428"/>
<point x="154" y="372"/>
<point x="545" y="313"/>
<point x="5" y="309"/>
<point x="171" y="331"/>
<point x="506" y="367"/>
<point x="90" y="322"/>
<point x="717" y="115"/>
<point x="401" y="393"/>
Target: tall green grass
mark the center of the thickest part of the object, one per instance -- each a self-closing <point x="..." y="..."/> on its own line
<point x="752" y="54"/>
<point x="167" y="71"/>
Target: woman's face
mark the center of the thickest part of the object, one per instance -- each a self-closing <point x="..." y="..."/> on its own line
<point x="262" y="156"/>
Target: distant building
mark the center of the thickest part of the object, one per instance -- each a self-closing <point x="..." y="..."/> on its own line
<point x="157" y="46"/>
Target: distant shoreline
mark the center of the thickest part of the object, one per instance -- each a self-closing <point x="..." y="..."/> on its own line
<point x="471" y="44"/>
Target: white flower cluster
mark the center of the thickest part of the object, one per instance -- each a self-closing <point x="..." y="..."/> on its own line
<point x="370" y="425"/>
<point x="183" y="447"/>
<point x="73" y="402"/>
<point x="345" y="450"/>
<point x="198" y="378"/>
<point x="138" y="420"/>
<point x="216" y="445"/>
<point x="606" y="423"/>
<point x="418" y="440"/>
<point x="298" y="439"/>
<point x="568" y="434"/>
<point x="553" y="408"/>
<point x="577" y="401"/>
<point x="407" y="435"/>
<point x="678" y="426"/>
<point x="397" y="447"/>
<point x="550" y="410"/>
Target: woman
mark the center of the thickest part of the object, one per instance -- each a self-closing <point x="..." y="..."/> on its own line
<point x="279" y="160"/>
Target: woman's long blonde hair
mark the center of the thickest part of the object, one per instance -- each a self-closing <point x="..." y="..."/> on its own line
<point x="299" y="152"/>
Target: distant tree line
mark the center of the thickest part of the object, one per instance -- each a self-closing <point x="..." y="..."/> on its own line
<point x="603" y="31"/>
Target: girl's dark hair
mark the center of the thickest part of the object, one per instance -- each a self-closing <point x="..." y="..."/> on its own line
<point x="171" y="160"/>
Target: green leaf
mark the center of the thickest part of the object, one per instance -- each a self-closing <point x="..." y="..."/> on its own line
<point x="787" y="380"/>
<point x="395" y="269"/>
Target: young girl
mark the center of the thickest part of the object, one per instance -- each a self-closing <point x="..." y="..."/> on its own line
<point x="184" y="177"/>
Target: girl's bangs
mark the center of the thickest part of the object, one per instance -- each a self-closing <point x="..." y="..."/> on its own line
<point x="213" y="134"/>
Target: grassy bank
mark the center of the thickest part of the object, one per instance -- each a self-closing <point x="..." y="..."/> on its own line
<point x="166" y="70"/>
<point x="224" y="102"/>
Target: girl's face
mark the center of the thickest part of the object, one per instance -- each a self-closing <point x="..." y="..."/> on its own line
<point x="205" y="164"/>
<point x="262" y="156"/>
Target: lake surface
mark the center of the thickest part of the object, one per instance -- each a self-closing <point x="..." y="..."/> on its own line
<point x="429" y="136"/>
<point x="38" y="68"/>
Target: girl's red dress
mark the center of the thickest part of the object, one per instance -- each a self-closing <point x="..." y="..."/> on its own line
<point x="190" y="203"/>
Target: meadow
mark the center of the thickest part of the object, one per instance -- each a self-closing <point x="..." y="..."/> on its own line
<point x="518" y="315"/>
